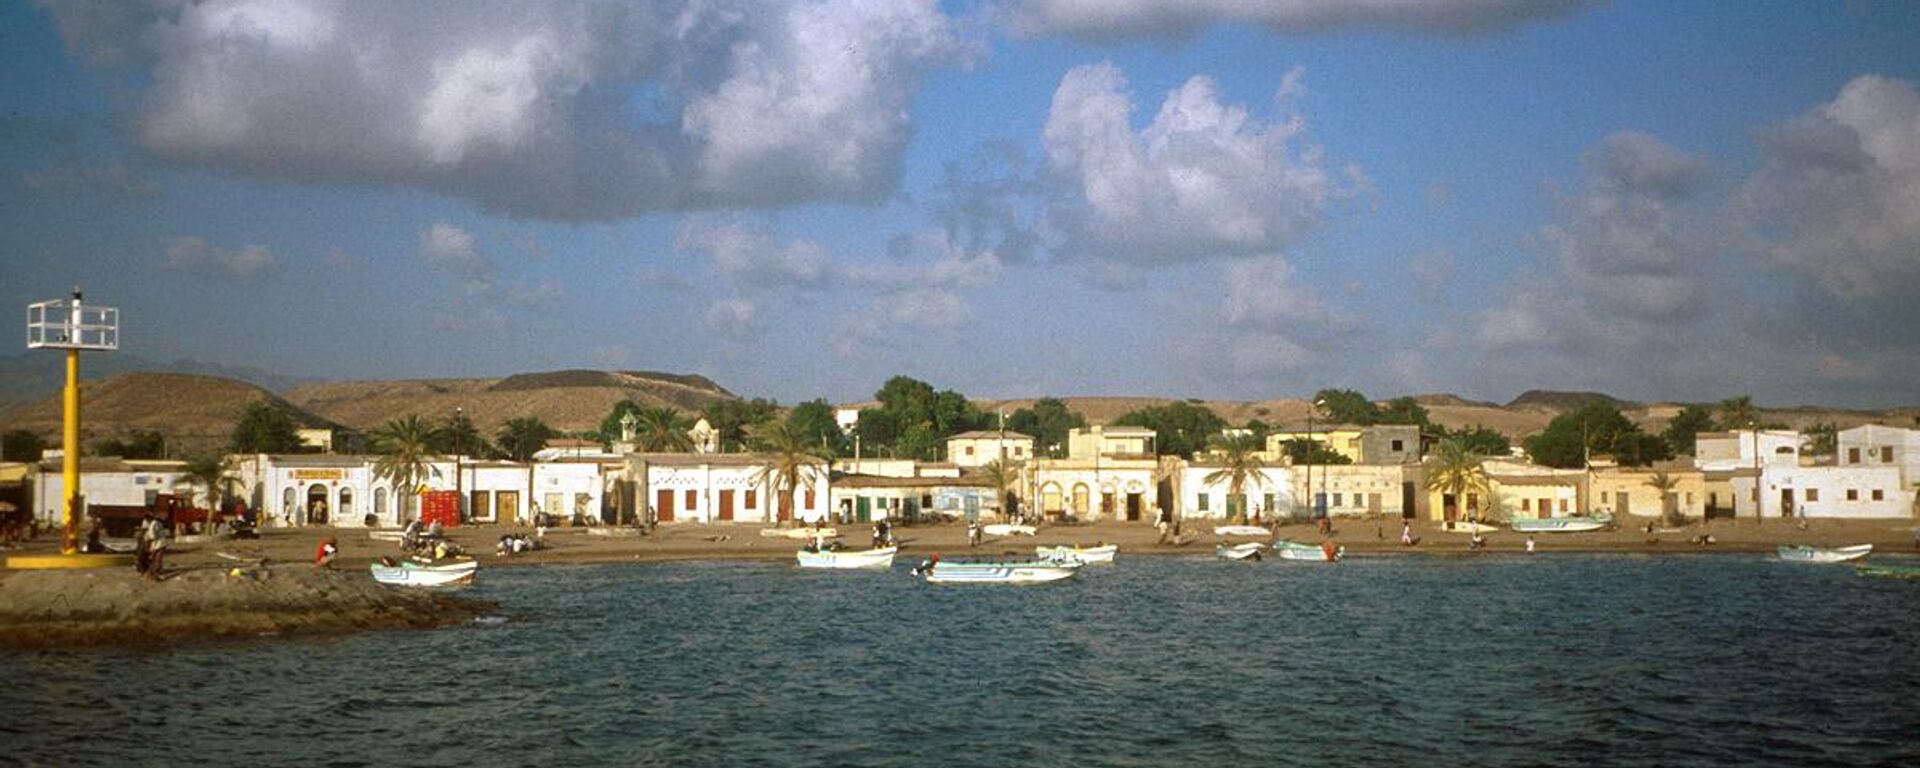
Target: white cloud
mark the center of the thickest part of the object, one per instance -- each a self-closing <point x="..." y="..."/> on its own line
<point x="1202" y="179"/>
<point x="744" y="254"/>
<point x="448" y="248"/>
<point x="194" y="255"/>
<point x="559" y="110"/>
<point x="733" y="315"/>
<point x="1431" y="270"/>
<point x="1179" y="18"/>
<point x="1838" y="195"/>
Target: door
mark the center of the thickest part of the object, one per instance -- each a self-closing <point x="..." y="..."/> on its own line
<point x="1544" y="508"/>
<point x="1135" y="505"/>
<point x="1623" y="502"/>
<point x="863" y="509"/>
<point x="1786" y="502"/>
<point x="1450" y="506"/>
<point x="506" y="507"/>
<point x="1407" y="501"/>
<point x="726" y="505"/>
<point x="663" y="505"/>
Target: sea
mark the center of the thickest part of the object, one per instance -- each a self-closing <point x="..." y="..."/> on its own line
<point x="1496" y="660"/>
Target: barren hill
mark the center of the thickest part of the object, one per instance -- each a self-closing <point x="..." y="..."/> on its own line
<point x="573" y="400"/>
<point x="194" y="412"/>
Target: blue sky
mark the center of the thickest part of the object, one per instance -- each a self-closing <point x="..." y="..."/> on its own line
<point x="1223" y="199"/>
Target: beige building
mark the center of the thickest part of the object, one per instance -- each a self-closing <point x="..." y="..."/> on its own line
<point x="982" y="447"/>
<point x="1097" y="440"/>
<point x="1625" y="491"/>
<point x="1516" y="490"/>
<point x="1378" y="444"/>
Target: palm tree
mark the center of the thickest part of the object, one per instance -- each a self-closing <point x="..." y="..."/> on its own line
<point x="999" y="474"/>
<point x="1240" y="463"/>
<point x="211" y="474"/>
<point x="1665" y="483"/>
<point x="793" y="460"/>
<point x="1455" y="469"/>
<point x="460" y="437"/>
<point x="403" y="463"/>
<point x="657" y="430"/>
<point x="521" y="438"/>
<point x="1740" y="413"/>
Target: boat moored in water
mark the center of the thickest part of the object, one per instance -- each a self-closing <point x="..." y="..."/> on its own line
<point x="412" y="573"/>
<point x="1806" y="554"/>
<point x="1576" y="524"/>
<point x="1887" y="571"/>
<point x="1249" y="552"/>
<point x="937" y="571"/>
<point x="1327" y="552"/>
<point x="869" y="558"/>
<point x="1090" y="555"/>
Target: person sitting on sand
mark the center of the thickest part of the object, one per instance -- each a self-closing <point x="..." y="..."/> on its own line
<point x="1477" y="542"/>
<point x="324" y="554"/>
<point x="410" y="536"/>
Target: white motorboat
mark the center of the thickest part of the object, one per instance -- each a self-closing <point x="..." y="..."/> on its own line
<point x="1087" y="555"/>
<point x="869" y="558"/>
<point x="411" y="573"/>
<point x="1241" y="530"/>
<point x="997" y="573"/>
<point x="800" y="533"/>
<point x="1008" y="529"/>
<point x="1805" y="554"/>
<point x="1250" y="551"/>
<point x="1289" y="549"/>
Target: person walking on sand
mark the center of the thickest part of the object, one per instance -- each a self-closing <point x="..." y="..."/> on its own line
<point x="973" y="534"/>
<point x="1406" y="534"/>
<point x="1529" y="544"/>
<point x="155" y="546"/>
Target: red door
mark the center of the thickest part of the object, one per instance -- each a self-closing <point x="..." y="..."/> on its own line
<point x="726" y="505"/>
<point x="663" y="506"/>
<point x="1546" y="508"/>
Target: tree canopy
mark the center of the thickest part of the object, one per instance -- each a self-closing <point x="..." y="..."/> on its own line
<point x="1047" y="422"/>
<point x="521" y="438"/>
<point x="734" y="419"/>
<point x="21" y="445"/>
<point x="1685" y="428"/>
<point x="264" y="429"/>
<point x="814" y="421"/>
<point x="1348" y="406"/>
<point x="1597" y="427"/>
<point x="1179" y="428"/>
<point x="1477" y="439"/>
<point x="133" y="444"/>
<point x="914" y="420"/>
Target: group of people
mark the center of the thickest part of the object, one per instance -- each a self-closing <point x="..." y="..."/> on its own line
<point x="514" y="544"/>
<point x="149" y="545"/>
<point x="882" y="534"/>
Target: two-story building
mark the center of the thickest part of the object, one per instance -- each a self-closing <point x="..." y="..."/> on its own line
<point x="982" y="447"/>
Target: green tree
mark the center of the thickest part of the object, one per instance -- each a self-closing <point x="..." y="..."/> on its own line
<point x="457" y="436"/>
<point x="21" y="445"/>
<point x="910" y="400"/>
<point x="1824" y="439"/>
<point x="1303" y="451"/>
<point x="1454" y="469"/>
<point x="662" y="430"/>
<point x="792" y="461"/>
<point x="263" y="428"/>
<point x="1344" y="406"/>
<point x="1739" y="413"/>
<point x="1179" y="428"/>
<point x="734" y="419"/>
<point x="1047" y="422"/>
<point x="1597" y="427"/>
<point x="1479" y="439"/>
<point x="212" y="475"/>
<point x="1669" y="512"/>
<point x="918" y="442"/>
<point x="815" y="420"/>
<point x="1685" y="428"/>
<point x="133" y="444"/>
<point x="878" y="428"/>
<point x="999" y="475"/>
<point x="1403" y="410"/>
<point x="404" y="448"/>
<point x="523" y="437"/>
<point x="1240" y="465"/>
<point x="1260" y="430"/>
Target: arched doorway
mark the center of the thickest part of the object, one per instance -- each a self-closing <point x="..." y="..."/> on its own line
<point x="1050" y="501"/>
<point x="1080" y="500"/>
<point x="380" y="503"/>
<point x="289" y="507"/>
<point x="345" y="510"/>
<point x="317" y="507"/>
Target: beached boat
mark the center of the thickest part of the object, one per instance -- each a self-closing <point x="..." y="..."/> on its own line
<point x="1466" y="527"/>
<point x="1083" y="554"/>
<point x="1805" y="554"/>
<point x="1008" y="529"/>
<point x="1888" y="571"/>
<point x="800" y="533"/>
<point x="997" y="573"/>
<point x="869" y="558"/>
<point x="410" y="573"/>
<point x="1289" y="549"/>
<point x="1249" y="551"/>
<point x="1561" y="524"/>
<point x="1241" y="530"/>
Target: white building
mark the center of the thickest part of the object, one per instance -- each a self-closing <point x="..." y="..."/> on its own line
<point x="298" y="489"/>
<point x="1354" y="490"/>
<point x="106" y="481"/>
<point x="1099" y="440"/>
<point x="1873" y="445"/>
<point x="498" y="491"/>
<point x="1721" y="451"/>
<point x="1095" y="488"/>
<point x="1270" y="493"/>
<point x="1834" y="491"/>
<point x="721" y="488"/>
<point x="982" y="447"/>
<point x="575" y="490"/>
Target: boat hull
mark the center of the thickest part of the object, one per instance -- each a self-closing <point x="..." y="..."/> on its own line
<point x="1888" y="571"/>
<point x="1089" y="555"/>
<point x="1241" y="530"/>
<point x="1312" y="553"/>
<point x="1250" y="551"/>
<point x="872" y="558"/>
<point x="414" y="575"/>
<point x="1008" y="529"/>
<point x="1803" y="554"/>
<point x="1000" y="573"/>
<point x="800" y="533"/>
<point x="1560" y="525"/>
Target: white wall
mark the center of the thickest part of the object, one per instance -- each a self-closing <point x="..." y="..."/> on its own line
<point x="112" y="488"/>
<point x="1832" y="485"/>
<point x="1279" y="484"/>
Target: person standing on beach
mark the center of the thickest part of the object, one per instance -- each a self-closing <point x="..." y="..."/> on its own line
<point x="1529" y="544"/>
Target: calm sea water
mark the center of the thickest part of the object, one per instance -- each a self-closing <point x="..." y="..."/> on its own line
<point x="1564" y="660"/>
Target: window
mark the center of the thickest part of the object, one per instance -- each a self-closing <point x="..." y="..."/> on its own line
<point x="1017" y="450"/>
<point x="969" y="450"/>
<point x="1563" y="505"/>
<point x="1399" y="445"/>
<point x="1526" y="505"/>
<point x="1853" y="455"/>
<point x="1336" y="499"/>
<point x="1689" y="498"/>
<point x="753" y="498"/>
<point x="1878" y="495"/>
<point x="809" y="502"/>
<point x="691" y="498"/>
<point x="1200" y="502"/>
<point x="1853" y="494"/>
<point x="1813" y="494"/>
<point x="1886" y="454"/>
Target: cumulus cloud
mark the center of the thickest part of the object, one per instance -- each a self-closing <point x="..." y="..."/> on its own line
<point x="734" y="315"/>
<point x="1622" y="261"/>
<point x="1104" y="19"/>
<point x="1837" y="197"/>
<point x="744" y="254"/>
<point x="558" y="110"/>
<point x="194" y="255"/>
<point x="448" y="248"/>
<point x="474" y="304"/>
<point x="1203" y="179"/>
<point x="1273" y="323"/>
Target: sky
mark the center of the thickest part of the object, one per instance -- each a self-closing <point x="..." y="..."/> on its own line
<point x="1664" y="200"/>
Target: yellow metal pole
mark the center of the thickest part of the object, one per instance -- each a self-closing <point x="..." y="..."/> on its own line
<point x="70" y="455"/>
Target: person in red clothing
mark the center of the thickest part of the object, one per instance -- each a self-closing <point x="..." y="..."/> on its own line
<point x="324" y="554"/>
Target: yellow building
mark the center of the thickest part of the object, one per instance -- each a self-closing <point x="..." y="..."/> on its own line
<point x="1516" y="490"/>
<point x="1624" y="491"/>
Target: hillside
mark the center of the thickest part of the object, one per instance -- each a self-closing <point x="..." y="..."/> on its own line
<point x="195" y="413"/>
<point x="572" y="400"/>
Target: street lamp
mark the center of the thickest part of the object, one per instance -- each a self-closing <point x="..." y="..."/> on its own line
<point x="1319" y="503"/>
<point x="71" y="325"/>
